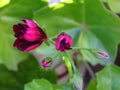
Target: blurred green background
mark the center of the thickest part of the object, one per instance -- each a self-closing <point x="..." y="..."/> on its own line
<point x="91" y="23"/>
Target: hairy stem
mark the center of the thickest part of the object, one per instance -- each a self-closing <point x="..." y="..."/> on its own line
<point x="69" y="67"/>
<point x="72" y="63"/>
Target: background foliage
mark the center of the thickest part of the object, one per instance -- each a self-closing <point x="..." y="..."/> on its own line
<point x="91" y="24"/>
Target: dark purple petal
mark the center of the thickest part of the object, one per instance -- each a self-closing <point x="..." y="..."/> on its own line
<point x="63" y="42"/>
<point x="19" y="30"/>
<point x="26" y="46"/>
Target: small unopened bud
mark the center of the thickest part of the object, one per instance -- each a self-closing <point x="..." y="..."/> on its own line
<point x="46" y="62"/>
<point x="99" y="54"/>
<point x="63" y="42"/>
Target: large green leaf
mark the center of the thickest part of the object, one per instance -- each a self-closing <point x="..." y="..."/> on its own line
<point x="21" y="8"/>
<point x="114" y="5"/>
<point x="39" y="84"/>
<point x="101" y="25"/>
<point x="42" y="84"/>
<point x="56" y="20"/>
<point x="108" y="78"/>
<point x="89" y="40"/>
<point x="9" y="15"/>
<point x="27" y="71"/>
<point x="4" y="2"/>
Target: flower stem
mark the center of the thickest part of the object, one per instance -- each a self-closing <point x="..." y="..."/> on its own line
<point x="74" y="48"/>
<point x="51" y="41"/>
<point x="77" y="78"/>
<point x="71" y="61"/>
<point x="69" y="67"/>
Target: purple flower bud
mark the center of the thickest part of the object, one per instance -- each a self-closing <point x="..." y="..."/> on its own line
<point x="29" y="35"/>
<point x="99" y="54"/>
<point x="46" y="63"/>
<point x="102" y="54"/>
<point x="63" y="42"/>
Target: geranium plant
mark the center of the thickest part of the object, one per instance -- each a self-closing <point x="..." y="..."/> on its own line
<point x="59" y="44"/>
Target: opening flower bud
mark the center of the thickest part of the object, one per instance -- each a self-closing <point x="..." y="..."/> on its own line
<point x="63" y="42"/>
<point x="46" y="62"/>
<point x="29" y="35"/>
<point x="99" y="54"/>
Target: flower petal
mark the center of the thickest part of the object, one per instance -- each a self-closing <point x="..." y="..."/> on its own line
<point x="63" y="42"/>
<point x="68" y="39"/>
<point x="35" y="34"/>
<point x="46" y="62"/>
<point x="29" y="35"/>
<point x="103" y="54"/>
<point x="19" y="30"/>
<point x="58" y="40"/>
<point x="29" y="23"/>
<point x="26" y="46"/>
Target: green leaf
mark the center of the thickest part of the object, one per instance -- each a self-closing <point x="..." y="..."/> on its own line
<point x="114" y="5"/>
<point x="92" y="85"/>
<point x="104" y="0"/>
<point x="4" y="2"/>
<point x="103" y="24"/>
<point x="103" y="33"/>
<point x="27" y="71"/>
<point x="22" y="8"/>
<point x="65" y="86"/>
<point x="39" y="84"/>
<point x="108" y="78"/>
<point x="90" y="41"/>
<point x="57" y="19"/>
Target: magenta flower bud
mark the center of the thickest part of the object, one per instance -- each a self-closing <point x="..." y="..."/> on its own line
<point x="99" y="54"/>
<point x="46" y="63"/>
<point x="63" y="42"/>
<point x="103" y="54"/>
<point x="29" y="35"/>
